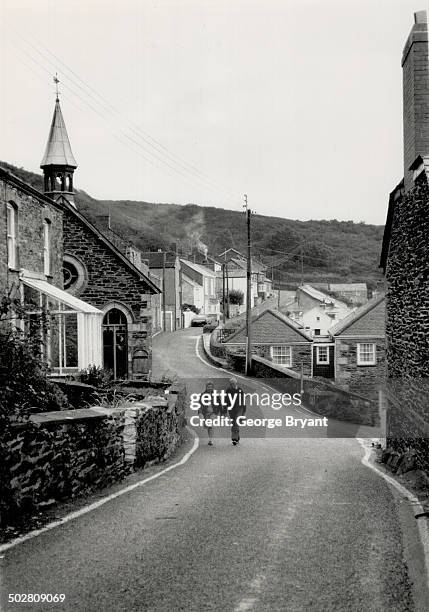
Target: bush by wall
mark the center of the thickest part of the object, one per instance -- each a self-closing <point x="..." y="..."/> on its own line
<point x="66" y="454"/>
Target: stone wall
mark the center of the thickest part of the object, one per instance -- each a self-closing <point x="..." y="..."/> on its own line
<point x="111" y="282"/>
<point x="407" y="325"/>
<point x="321" y="396"/>
<point x="32" y="211"/>
<point x="58" y="456"/>
<point x="363" y="380"/>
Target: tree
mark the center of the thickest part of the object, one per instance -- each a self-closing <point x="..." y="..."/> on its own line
<point x="236" y="297"/>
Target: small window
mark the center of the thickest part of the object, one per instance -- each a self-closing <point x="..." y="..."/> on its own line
<point x="12" y="227"/>
<point x="366" y="354"/>
<point x="282" y="355"/>
<point x="317" y="332"/>
<point x="47" y="247"/>
<point x="144" y="304"/>
<point x="322" y="355"/>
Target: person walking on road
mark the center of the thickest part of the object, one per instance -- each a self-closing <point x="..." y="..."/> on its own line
<point x="236" y="408"/>
<point x="207" y="409"/>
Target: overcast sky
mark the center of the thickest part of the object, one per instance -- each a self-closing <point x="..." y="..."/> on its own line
<point x="297" y="103"/>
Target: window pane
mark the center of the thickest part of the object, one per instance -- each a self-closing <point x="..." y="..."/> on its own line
<point x="70" y="340"/>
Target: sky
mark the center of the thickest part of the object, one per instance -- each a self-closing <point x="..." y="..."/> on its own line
<point x="297" y="103"/>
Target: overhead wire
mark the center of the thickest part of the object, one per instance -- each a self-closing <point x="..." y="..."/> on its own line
<point x="107" y="112"/>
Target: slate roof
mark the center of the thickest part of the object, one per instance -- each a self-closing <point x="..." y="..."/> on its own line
<point x="348" y="287"/>
<point x="394" y="196"/>
<point x="200" y="269"/>
<point x="316" y="294"/>
<point x="58" y="150"/>
<point x="281" y="317"/>
<point x="345" y="323"/>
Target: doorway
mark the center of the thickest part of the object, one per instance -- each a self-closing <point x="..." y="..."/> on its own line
<point x="115" y="343"/>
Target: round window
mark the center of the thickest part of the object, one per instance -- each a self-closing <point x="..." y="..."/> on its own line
<point x="70" y="274"/>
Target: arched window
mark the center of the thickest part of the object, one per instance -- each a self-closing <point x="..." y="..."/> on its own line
<point x="12" y="235"/>
<point x="46" y="247"/>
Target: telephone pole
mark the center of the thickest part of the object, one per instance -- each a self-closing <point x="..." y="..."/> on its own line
<point x="223" y="294"/>
<point x="248" y="295"/>
<point x="227" y="290"/>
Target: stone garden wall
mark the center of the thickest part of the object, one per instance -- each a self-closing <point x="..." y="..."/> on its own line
<point x="58" y="456"/>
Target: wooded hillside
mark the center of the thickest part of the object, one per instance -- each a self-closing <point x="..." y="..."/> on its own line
<point x="332" y="250"/>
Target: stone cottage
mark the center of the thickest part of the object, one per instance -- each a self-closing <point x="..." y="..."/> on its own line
<point x="31" y="261"/>
<point x="405" y="261"/>
<point x="96" y="271"/>
<point x="278" y="338"/>
<point x="360" y="349"/>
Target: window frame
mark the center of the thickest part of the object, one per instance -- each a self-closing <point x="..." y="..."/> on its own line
<point x="281" y="346"/>
<point x="318" y="360"/>
<point x="359" y="360"/>
<point x="11" y="235"/>
<point x="47" y="234"/>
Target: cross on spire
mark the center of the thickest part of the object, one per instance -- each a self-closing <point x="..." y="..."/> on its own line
<point x="56" y="81"/>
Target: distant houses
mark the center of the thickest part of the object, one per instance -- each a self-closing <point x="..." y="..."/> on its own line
<point x="316" y="311"/>
<point x="199" y="288"/>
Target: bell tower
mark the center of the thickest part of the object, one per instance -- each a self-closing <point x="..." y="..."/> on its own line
<point x="58" y="163"/>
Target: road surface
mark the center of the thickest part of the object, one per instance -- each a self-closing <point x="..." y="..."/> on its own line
<point x="275" y="524"/>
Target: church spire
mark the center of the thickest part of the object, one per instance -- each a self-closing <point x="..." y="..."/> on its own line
<point x="58" y="163"/>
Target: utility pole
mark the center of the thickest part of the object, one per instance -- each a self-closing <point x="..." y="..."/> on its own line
<point x="163" y="291"/>
<point x="223" y="293"/>
<point x="248" y="295"/>
<point x="227" y="290"/>
<point x="302" y="263"/>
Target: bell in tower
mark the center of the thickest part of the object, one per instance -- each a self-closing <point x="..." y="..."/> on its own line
<point x="58" y="163"/>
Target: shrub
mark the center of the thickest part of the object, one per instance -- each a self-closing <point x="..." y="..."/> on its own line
<point x="96" y="376"/>
<point x="24" y="385"/>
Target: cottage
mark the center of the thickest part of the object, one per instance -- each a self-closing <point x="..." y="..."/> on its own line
<point x="278" y="338"/>
<point x="96" y="271"/>
<point x="360" y="349"/>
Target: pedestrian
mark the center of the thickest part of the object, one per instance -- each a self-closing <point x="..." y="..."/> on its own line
<point x="236" y="408"/>
<point x="207" y="409"/>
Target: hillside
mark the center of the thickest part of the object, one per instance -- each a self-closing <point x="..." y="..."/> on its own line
<point x="332" y="250"/>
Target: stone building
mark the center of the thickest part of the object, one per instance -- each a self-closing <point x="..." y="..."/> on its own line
<point x="360" y="349"/>
<point x="31" y="261"/>
<point x="96" y="271"/>
<point x="405" y="260"/>
<point x="278" y="338"/>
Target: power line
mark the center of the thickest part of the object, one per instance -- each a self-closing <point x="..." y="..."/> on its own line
<point x="110" y="113"/>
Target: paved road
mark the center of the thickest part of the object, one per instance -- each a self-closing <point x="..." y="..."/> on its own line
<point x="275" y="524"/>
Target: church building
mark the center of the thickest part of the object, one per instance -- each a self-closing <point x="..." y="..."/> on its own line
<point x="96" y="271"/>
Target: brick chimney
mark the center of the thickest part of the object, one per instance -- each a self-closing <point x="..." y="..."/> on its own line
<point x="415" y="70"/>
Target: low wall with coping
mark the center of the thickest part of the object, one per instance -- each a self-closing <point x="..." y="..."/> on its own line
<point x="57" y="456"/>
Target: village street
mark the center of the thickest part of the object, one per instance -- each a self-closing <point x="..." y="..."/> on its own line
<point x="281" y="523"/>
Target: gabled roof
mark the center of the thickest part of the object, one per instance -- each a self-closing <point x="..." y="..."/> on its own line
<point x="231" y="250"/>
<point x="347" y="287"/>
<point x="345" y="323"/>
<point x="283" y="318"/>
<point x="394" y="196"/>
<point x="58" y="150"/>
<point x="131" y="267"/>
<point x="156" y="258"/>
<point x="199" y="268"/>
<point x="7" y="176"/>
<point x="316" y="294"/>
